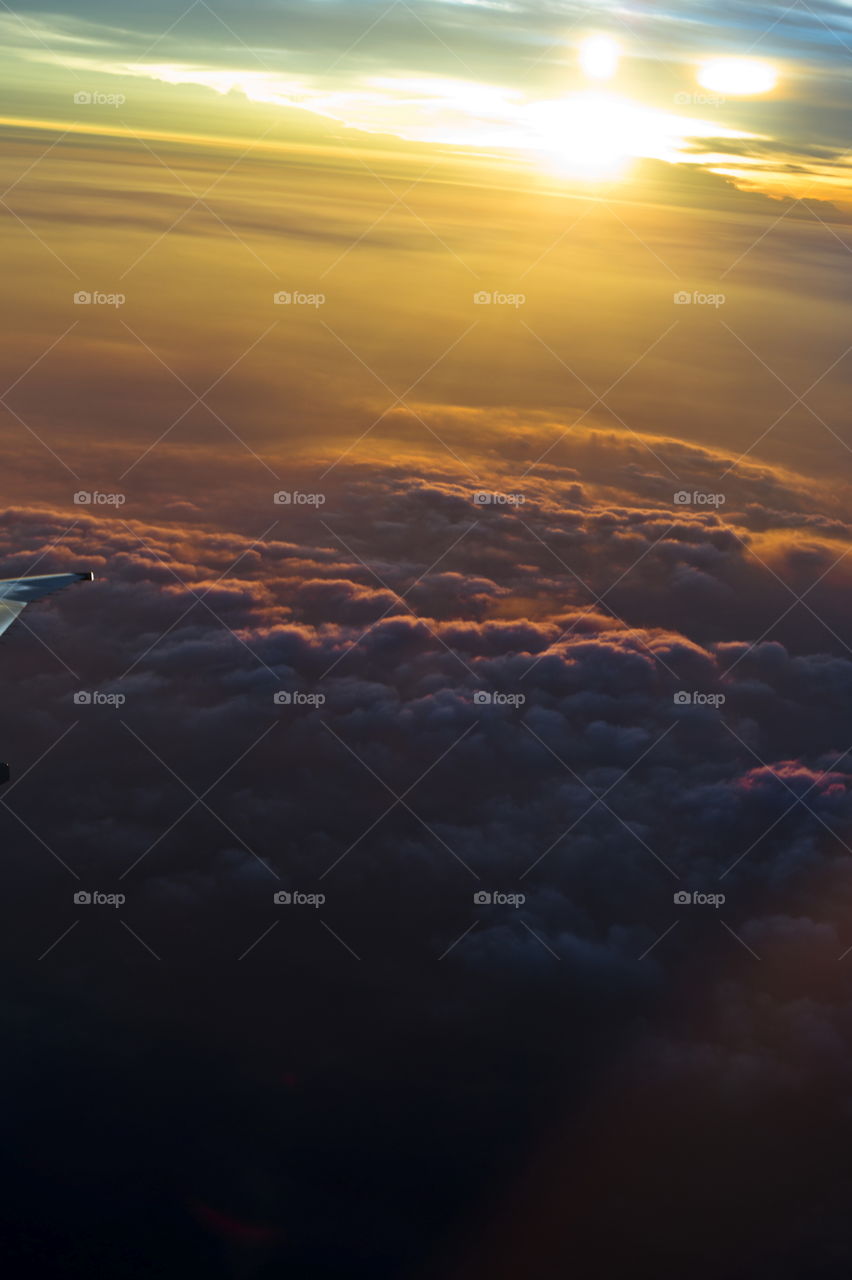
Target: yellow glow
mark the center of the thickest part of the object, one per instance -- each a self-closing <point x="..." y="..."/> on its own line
<point x="596" y="135"/>
<point x="589" y="135"/>
<point x="599" y="57"/>
<point x="738" y="76"/>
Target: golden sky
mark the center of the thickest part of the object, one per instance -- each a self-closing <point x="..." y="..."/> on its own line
<point x="166" y="165"/>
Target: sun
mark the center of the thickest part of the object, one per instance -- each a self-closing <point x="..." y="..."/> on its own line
<point x="583" y="136"/>
<point x="738" y="76"/>
<point x="599" y="57"/>
<point x="597" y="135"/>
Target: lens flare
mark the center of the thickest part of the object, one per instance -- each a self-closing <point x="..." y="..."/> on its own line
<point x="738" y="76"/>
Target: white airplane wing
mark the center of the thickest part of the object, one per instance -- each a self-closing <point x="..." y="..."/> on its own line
<point x="17" y="593"/>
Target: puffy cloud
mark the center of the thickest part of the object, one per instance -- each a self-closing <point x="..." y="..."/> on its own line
<point x="497" y="718"/>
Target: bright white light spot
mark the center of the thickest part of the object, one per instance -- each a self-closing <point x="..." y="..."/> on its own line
<point x="599" y="57"/>
<point x="588" y="136"/>
<point x="738" y="76"/>
<point x="597" y="135"/>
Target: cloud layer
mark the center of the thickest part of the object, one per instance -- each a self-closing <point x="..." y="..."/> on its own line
<point x="502" y="712"/>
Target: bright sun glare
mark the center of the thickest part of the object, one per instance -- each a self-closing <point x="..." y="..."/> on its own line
<point x="595" y="135"/>
<point x="738" y="76"/>
<point x="599" y="57"/>
<point x="586" y="136"/>
<point x="592" y="133"/>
